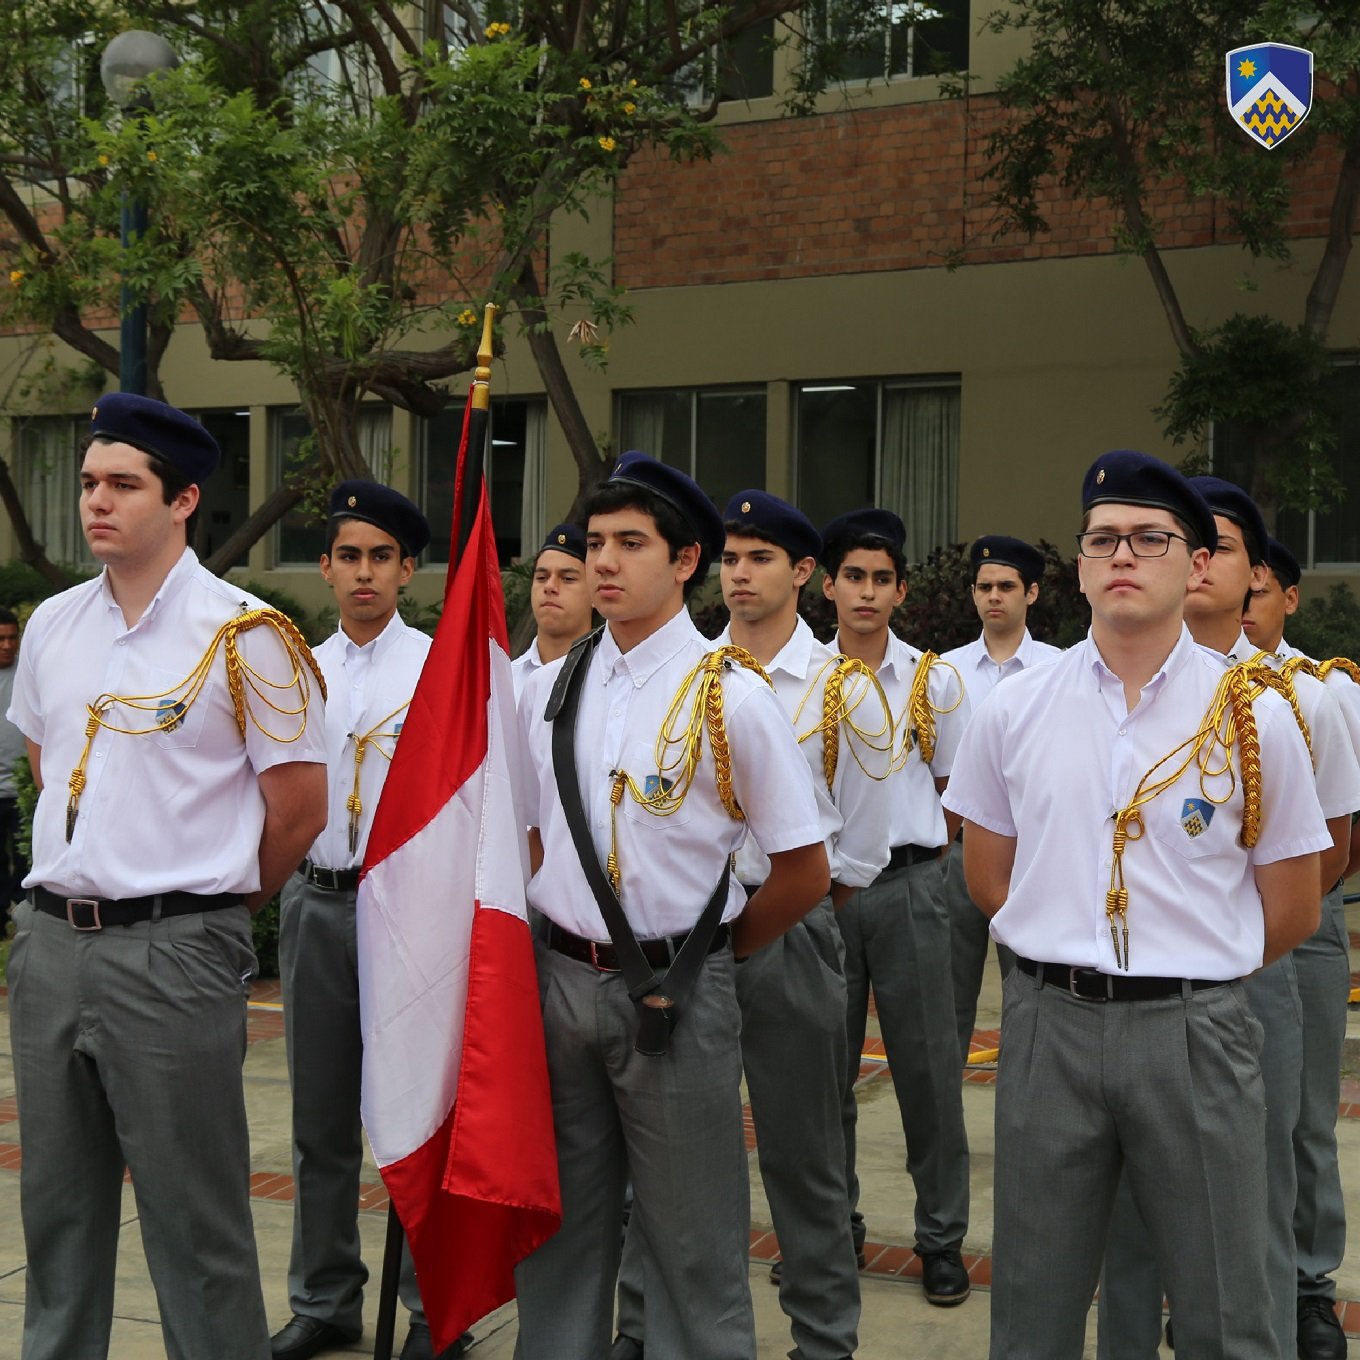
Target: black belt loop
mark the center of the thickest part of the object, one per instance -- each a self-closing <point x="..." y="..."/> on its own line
<point x="156" y="907"/>
<point x="329" y="880"/>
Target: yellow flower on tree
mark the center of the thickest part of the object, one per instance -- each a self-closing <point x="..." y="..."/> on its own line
<point x="585" y="83"/>
<point x="151" y="156"/>
<point x="467" y="317"/>
<point x="16" y="276"/>
<point x="607" y="143"/>
<point x="103" y="159"/>
<point x="497" y="30"/>
<point x="630" y="107"/>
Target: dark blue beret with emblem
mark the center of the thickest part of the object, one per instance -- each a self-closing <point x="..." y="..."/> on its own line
<point x="1230" y="501"/>
<point x="389" y="510"/>
<point x="565" y="538"/>
<point x="1000" y="551"/>
<point x="866" y="523"/>
<point x="777" y="521"/>
<point x="1125" y="477"/>
<point x="157" y="428"/>
<point x="681" y="493"/>
<point x="1283" y="563"/>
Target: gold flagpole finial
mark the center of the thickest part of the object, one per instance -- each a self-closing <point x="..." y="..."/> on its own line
<point x="481" y="377"/>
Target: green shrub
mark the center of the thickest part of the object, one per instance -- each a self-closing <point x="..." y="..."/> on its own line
<point x="264" y="930"/>
<point x="1327" y="627"/>
<point x="285" y="604"/>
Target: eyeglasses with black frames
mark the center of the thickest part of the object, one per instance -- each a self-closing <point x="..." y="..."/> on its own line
<point x="1142" y="543"/>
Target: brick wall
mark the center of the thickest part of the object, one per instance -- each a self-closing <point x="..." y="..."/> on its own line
<point x="888" y="188"/>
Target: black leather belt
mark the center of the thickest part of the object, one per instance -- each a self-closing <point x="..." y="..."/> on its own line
<point x="904" y="856"/>
<point x="97" y="913"/>
<point x="600" y="953"/>
<point x="1089" y="984"/>
<point x="329" y="880"/>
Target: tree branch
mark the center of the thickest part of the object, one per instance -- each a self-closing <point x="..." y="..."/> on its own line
<point x="1317" y="313"/>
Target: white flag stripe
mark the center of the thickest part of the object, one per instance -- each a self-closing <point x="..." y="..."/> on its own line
<point x="413" y="1022"/>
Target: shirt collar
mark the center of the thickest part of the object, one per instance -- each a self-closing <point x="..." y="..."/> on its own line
<point x="380" y="645"/>
<point x="640" y="663"/>
<point x="1243" y="649"/>
<point x="900" y="657"/>
<point x="169" y="587"/>
<point x="1176" y="660"/>
<point x="793" y="658"/>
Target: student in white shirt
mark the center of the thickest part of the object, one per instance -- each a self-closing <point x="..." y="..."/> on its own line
<point x="560" y="600"/>
<point x="172" y="806"/>
<point x="1006" y="576"/>
<point x="1105" y="835"/>
<point x="657" y="1102"/>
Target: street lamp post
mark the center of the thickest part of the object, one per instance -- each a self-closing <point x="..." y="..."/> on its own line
<point x="127" y="62"/>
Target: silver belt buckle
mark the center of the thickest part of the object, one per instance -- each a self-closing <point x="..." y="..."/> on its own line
<point x="595" y="947"/>
<point x="1085" y="996"/>
<point x="72" y="903"/>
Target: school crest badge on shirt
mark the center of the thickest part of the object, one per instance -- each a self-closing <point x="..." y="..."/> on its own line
<point x="1196" y="814"/>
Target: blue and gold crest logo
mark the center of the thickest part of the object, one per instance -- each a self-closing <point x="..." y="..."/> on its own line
<point x="1196" y="814"/>
<point x="656" y="784"/>
<point x="1270" y="90"/>
<point x="169" y="714"/>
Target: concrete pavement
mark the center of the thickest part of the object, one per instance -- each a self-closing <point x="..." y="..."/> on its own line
<point x="896" y="1319"/>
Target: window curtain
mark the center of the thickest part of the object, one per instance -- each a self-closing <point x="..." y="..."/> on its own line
<point x="919" y="464"/>
<point x="49" y="486"/>
<point x="643" y="424"/>
<point x="533" y="505"/>
<point x="375" y="442"/>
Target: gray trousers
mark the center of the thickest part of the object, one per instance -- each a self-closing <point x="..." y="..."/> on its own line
<point x="1324" y="969"/>
<point x="674" y="1124"/>
<point x="1169" y="1093"/>
<point x="1130" y="1308"/>
<point x="319" y="971"/>
<point x="128" y="1044"/>
<point x="792" y="998"/>
<point x="968" y="942"/>
<point x="896" y="934"/>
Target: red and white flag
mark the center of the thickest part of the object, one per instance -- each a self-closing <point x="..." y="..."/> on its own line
<point x="455" y="1079"/>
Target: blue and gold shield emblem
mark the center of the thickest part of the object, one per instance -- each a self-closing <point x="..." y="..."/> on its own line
<point x="1196" y="814"/>
<point x="1270" y="90"/>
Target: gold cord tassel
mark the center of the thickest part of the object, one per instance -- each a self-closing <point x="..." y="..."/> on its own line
<point x="612" y="863"/>
<point x="838" y="713"/>
<point x="917" y="720"/>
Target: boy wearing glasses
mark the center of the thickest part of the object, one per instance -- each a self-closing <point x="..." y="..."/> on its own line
<point x="1139" y="871"/>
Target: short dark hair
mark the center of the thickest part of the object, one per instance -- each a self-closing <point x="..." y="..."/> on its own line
<point x="172" y="480"/>
<point x="8" y="616"/>
<point x="333" y="528"/>
<point x="835" y="553"/>
<point x="670" y="523"/>
<point x="740" y="528"/>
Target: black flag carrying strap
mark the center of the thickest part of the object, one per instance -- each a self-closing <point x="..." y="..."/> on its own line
<point x="658" y="999"/>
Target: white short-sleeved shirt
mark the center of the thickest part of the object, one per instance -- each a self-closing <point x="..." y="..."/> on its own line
<point x="167" y="811"/>
<point x="524" y="665"/>
<point x="365" y="685"/>
<point x="1335" y="765"/>
<point x="915" y="814"/>
<point x="981" y="674"/>
<point x="1341" y="687"/>
<point x="669" y="865"/>
<point x="1055" y="752"/>
<point x="854" y="810"/>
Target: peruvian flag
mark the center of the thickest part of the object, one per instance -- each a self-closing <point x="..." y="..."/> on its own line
<point x="455" y="1078"/>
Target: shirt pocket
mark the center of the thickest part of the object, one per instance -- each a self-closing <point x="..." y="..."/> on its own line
<point x="1190" y="824"/>
<point x="657" y="788"/>
<point x="176" y="722"/>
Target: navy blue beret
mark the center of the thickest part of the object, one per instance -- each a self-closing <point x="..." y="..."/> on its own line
<point x="565" y="538"/>
<point x="681" y="493"/>
<point x="1124" y="477"/>
<point x="998" y="550"/>
<point x="377" y="504"/>
<point x="1283" y="563"/>
<point x="1230" y="501"/>
<point x="777" y="521"/>
<point x="159" y="429"/>
<point x="869" y="521"/>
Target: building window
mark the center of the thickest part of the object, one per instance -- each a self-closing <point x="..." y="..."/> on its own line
<point x="47" y="478"/>
<point x="1318" y="538"/>
<point x="224" y="498"/>
<point x="893" y="444"/>
<point x="300" y="536"/>
<point x="903" y="39"/>
<point x="715" y="434"/>
<point x="515" y="476"/>
<point x="740" y="69"/>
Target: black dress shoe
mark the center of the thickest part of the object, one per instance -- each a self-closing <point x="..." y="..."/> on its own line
<point x="419" y="1345"/>
<point x="1320" y="1334"/>
<point x="625" y="1348"/>
<point x="305" y="1337"/>
<point x="944" y="1277"/>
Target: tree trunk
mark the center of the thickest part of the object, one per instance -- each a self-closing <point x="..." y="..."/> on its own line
<point x="266" y="515"/>
<point x="30" y="550"/>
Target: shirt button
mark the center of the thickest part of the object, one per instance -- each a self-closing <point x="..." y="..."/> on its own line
<point x="1123" y="732"/>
